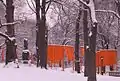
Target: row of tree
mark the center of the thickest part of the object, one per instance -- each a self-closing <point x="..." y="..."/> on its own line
<point x="69" y="16"/>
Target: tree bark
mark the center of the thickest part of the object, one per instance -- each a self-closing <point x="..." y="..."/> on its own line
<point x="77" y="56"/>
<point x="92" y="52"/>
<point x="10" y="45"/>
<point x="41" y="32"/>
<point x="37" y="30"/>
<point x="86" y="51"/>
<point x="43" y="40"/>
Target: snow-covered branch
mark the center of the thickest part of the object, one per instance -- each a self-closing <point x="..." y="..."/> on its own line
<point x="69" y="40"/>
<point x="6" y="36"/>
<point x="2" y="44"/>
<point x="83" y="2"/>
<point x="92" y="11"/>
<point x="13" y="23"/>
<point x="91" y="8"/>
<point x="109" y="11"/>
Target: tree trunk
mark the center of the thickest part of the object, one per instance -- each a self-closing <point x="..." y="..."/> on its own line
<point x="77" y="57"/>
<point x="10" y="45"/>
<point x="86" y="51"/>
<point x="92" y="52"/>
<point x="37" y="30"/>
<point x="41" y="40"/>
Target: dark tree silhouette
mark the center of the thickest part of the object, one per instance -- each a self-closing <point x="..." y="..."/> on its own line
<point x="10" y="45"/>
<point x="77" y="57"/>
<point x="86" y="51"/>
<point x="41" y="41"/>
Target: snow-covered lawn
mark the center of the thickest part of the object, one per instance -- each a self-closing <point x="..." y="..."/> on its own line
<point x="26" y="73"/>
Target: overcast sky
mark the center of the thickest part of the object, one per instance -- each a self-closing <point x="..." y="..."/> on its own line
<point x="50" y="17"/>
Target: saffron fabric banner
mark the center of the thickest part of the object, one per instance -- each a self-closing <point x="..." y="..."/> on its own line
<point x="106" y="57"/>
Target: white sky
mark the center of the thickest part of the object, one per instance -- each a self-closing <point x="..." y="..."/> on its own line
<point x="50" y="17"/>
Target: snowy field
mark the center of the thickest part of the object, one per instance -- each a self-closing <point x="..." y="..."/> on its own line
<point x="31" y="73"/>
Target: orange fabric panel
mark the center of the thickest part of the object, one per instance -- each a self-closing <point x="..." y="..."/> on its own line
<point x="69" y="51"/>
<point x="109" y="57"/>
<point x="81" y="51"/>
<point x="97" y="58"/>
<point x="55" y="53"/>
<point x="50" y="56"/>
<point x="59" y="53"/>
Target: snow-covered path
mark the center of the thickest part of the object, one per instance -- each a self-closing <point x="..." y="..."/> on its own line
<point x="26" y="73"/>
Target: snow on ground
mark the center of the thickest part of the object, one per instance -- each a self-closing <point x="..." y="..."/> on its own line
<point x="31" y="73"/>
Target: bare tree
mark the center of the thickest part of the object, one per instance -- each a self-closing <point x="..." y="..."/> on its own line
<point x="10" y="47"/>
<point x="41" y="41"/>
<point x="86" y="51"/>
<point x="77" y="55"/>
<point x="64" y="26"/>
<point x="92" y="40"/>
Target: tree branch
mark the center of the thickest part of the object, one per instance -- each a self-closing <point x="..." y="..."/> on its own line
<point x="100" y="40"/>
<point x="90" y="5"/>
<point x="30" y="6"/>
<point x="6" y="24"/>
<point x="92" y="11"/>
<point x="33" y="4"/>
<point x="83" y="2"/>
<point x="100" y="34"/>
<point x="109" y="11"/>
<point x="1" y="45"/>
<point x="5" y="36"/>
<point x="48" y="6"/>
<point x="117" y="45"/>
<point x="3" y="3"/>
<point x="91" y="8"/>
<point x="49" y="1"/>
